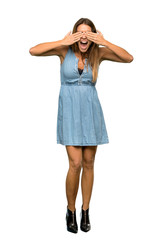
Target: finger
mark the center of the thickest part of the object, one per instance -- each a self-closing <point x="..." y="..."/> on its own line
<point x="68" y="33"/>
<point x="76" y="39"/>
<point x="91" y="38"/>
<point x="77" y="34"/>
<point x="100" y="33"/>
<point x="91" y="34"/>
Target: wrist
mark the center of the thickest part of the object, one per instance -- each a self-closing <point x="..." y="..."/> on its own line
<point x="61" y="42"/>
<point x="105" y="43"/>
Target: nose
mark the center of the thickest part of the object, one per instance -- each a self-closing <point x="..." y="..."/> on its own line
<point x="83" y="35"/>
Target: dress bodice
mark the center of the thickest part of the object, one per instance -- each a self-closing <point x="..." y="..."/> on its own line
<point x="70" y="73"/>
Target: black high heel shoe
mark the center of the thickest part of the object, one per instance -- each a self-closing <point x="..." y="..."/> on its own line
<point x="85" y="222"/>
<point x="71" y="221"/>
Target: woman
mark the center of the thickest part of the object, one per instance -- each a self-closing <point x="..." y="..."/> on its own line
<point x="80" y="122"/>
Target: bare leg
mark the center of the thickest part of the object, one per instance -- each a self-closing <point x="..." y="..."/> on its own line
<point x="72" y="179"/>
<point x="87" y="174"/>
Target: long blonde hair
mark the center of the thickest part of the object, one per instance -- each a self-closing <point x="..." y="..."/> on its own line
<point x="93" y="50"/>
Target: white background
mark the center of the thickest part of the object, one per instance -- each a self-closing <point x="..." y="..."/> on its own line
<point x="33" y="167"/>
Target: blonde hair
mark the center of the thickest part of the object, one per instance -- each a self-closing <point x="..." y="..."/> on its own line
<point x="93" y="50"/>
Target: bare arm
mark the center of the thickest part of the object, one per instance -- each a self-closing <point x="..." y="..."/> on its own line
<point x="113" y="52"/>
<point x="42" y="48"/>
<point x="56" y="47"/>
<point x="110" y="51"/>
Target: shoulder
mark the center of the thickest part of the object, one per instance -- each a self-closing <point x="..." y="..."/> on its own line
<point x="64" y="50"/>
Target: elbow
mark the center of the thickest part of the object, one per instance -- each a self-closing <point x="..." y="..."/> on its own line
<point x="130" y="59"/>
<point x="31" y="51"/>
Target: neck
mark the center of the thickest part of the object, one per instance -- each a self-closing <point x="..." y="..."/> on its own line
<point x="82" y="55"/>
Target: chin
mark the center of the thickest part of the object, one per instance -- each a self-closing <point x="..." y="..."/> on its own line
<point x="82" y="50"/>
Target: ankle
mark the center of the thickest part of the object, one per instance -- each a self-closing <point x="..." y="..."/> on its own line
<point x="71" y="208"/>
<point x="85" y="207"/>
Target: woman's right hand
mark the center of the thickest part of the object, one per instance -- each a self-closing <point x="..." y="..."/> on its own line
<point x="69" y="39"/>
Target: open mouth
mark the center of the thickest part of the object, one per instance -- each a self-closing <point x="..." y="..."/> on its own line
<point x="83" y="44"/>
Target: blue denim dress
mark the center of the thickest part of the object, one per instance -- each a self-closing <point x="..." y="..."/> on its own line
<point x="80" y="119"/>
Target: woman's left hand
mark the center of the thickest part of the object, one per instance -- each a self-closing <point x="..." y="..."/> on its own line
<point x="96" y="37"/>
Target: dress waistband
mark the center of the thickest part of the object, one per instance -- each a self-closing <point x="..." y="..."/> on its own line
<point x="78" y="83"/>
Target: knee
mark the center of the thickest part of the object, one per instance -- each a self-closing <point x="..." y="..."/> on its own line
<point x="88" y="163"/>
<point x="75" y="165"/>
